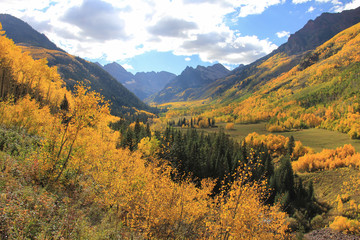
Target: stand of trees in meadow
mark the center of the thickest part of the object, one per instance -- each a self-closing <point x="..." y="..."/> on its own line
<point x="194" y="122"/>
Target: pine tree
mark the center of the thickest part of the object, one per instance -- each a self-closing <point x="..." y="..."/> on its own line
<point x="64" y="105"/>
<point x="284" y="180"/>
<point x="148" y="131"/>
<point x="290" y="146"/>
<point x="137" y="130"/>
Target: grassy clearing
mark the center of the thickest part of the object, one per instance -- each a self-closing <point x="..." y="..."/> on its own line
<point x="317" y="139"/>
<point x="328" y="184"/>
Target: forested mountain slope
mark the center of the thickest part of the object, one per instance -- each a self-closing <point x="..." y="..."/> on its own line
<point x="72" y="69"/>
<point x="22" y="33"/>
<point x="321" y="90"/>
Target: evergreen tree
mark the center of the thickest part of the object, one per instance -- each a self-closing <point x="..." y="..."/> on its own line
<point x="290" y="146"/>
<point x="129" y="140"/>
<point x="284" y="180"/>
<point x="64" y="105"/>
<point x="148" y="131"/>
<point x="137" y="130"/>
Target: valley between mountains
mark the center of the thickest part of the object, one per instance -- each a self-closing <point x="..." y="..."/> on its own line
<point x="268" y="150"/>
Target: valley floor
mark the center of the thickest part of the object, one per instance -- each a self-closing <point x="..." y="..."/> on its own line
<point x="316" y="138"/>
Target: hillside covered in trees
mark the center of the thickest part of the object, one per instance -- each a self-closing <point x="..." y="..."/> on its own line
<point x="73" y="70"/>
<point x="63" y="176"/>
<point x="320" y="91"/>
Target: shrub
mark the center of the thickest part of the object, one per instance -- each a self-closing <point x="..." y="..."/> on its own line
<point x="229" y="126"/>
<point x="317" y="222"/>
<point x="346" y="225"/>
<point x="275" y="128"/>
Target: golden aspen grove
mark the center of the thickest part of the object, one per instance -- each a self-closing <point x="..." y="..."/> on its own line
<point x="267" y="150"/>
<point x="63" y="177"/>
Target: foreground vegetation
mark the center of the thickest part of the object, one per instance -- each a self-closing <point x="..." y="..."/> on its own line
<point x="63" y="174"/>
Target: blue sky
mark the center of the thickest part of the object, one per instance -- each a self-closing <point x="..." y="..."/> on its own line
<point x="157" y="35"/>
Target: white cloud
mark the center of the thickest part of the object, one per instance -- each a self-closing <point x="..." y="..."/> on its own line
<point x="250" y="7"/>
<point x="187" y="59"/>
<point x="334" y="2"/>
<point x="282" y="34"/>
<point x="300" y="1"/>
<point x="127" y="66"/>
<point x="311" y="9"/>
<point x="348" y="6"/>
<point x="119" y="30"/>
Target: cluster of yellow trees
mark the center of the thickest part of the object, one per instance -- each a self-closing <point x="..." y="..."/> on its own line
<point x="328" y="159"/>
<point x="79" y="149"/>
<point x="278" y="145"/>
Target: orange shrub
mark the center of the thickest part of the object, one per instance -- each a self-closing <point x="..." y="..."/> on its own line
<point x="275" y="128"/>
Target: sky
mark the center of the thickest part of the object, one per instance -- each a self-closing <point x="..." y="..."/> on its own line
<point x="168" y="35"/>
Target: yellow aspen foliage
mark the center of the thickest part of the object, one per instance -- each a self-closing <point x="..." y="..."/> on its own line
<point x="353" y="206"/>
<point x="132" y="125"/>
<point x="229" y="126"/>
<point x="340" y="205"/>
<point x="241" y="214"/>
<point x="20" y="74"/>
<point x="275" y="128"/>
<point x="277" y="144"/>
<point x="78" y="148"/>
<point x="328" y="159"/>
<point x="149" y="147"/>
<point x="345" y="225"/>
<point x="25" y="114"/>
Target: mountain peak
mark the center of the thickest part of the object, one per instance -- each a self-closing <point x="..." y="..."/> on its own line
<point x="183" y="86"/>
<point x="23" y="34"/>
<point x="119" y="73"/>
<point x="116" y="66"/>
<point x="316" y="32"/>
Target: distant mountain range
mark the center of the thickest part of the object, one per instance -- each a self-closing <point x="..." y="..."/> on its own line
<point x="143" y="84"/>
<point x="189" y="83"/>
<point x="72" y="69"/>
<point x="164" y="86"/>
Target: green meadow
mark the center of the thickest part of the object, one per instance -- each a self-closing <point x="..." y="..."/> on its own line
<point x="315" y="138"/>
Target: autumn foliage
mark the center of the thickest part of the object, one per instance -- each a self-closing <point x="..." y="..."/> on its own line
<point x="346" y="225"/>
<point x="80" y="185"/>
<point x="277" y="145"/>
<point x="328" y="159"/>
